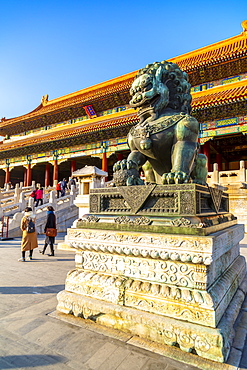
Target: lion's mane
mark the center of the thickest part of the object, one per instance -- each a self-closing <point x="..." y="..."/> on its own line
<point x="176" y="82"/>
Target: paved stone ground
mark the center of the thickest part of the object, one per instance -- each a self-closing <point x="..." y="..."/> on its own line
<point x="31" y="336"/>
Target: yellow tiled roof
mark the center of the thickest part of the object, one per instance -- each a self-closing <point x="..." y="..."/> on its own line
<point x="80" y="128"/>
<point x="234" y="47"/>
<point x="216" y="96"/>
<point x="220" y="95"/>
<point x="220" y="52"/>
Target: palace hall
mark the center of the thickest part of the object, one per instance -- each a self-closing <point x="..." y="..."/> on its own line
<point x="89" y="126"/>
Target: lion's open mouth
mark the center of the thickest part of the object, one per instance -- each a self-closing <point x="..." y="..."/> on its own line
<point x="145" y="102"/>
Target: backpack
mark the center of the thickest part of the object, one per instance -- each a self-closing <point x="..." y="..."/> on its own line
<point x="72" y="182"/>
<point x="30" y="226"/>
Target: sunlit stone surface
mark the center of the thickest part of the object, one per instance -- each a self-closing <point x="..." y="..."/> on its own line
<point x="177" y="289"/>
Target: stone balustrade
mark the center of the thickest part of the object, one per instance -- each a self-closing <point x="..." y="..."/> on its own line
<point x="234" y="182"/>
<point x="225" y="178"/>
<point x="14" y="201"/>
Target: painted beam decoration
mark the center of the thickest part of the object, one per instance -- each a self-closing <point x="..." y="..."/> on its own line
<point x="222" y="127"/>
<point x="90" y="111"/>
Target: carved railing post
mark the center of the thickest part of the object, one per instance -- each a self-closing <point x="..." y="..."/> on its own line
<point x="215" y="177"/>
<point x="17" y="193"/>
<point x="31" y="202"/>
<point x="22" y="201"/>
<point x="53" y="200"/>
<point x="242" y="171"/>
<point x="72" y="193"/>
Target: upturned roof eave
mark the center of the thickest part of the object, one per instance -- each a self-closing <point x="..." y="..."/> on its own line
<point x="44" y="109"/>
<point x="209" y="48"/>
<point x="75" y="129"/>
<point x="211" y="98"/>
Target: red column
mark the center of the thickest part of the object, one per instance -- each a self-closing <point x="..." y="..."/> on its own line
<point x="29" y="175"/>
<point x="104" y="164"/>
<point x="47" y="175"/>
<point x="73" y="166"/>
<point x="219" y="161"/>
<point x="119" y="156"/>
<point x="25" y="177"/>
<point x="55" y="171"/>
<point x="206" y="151"/>
<point x="7" y="175"/>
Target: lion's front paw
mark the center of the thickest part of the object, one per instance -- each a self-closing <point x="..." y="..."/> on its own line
<point x="177" y="177"/>
<point x="126" y="172"/>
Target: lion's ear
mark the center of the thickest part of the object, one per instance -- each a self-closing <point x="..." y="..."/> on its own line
<point x="159" y="73"/>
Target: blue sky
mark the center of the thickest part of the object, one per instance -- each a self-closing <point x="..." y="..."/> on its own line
<point x="58" y="47"/>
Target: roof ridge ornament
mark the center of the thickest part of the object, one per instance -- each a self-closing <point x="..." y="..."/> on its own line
<point x="244" y="25"/>
<point x="44" y="99"/>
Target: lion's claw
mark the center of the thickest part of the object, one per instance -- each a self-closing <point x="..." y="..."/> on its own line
<point x="178" y="177"/>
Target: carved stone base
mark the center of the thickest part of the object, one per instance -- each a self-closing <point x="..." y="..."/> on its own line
<point x="185" y="303"/>
<point x="163" y="247"/>
<point x="189" y="209"/>
<point x="210" y="343"/>
<point x="134" y="274"/>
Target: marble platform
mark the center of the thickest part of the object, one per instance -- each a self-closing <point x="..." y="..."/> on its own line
<point x="170" y="275"/>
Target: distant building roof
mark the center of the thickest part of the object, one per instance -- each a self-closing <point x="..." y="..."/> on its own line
<point x="89" y="170"/>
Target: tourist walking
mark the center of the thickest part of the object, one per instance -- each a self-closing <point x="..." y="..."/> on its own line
<point x="33" y="195"/>
<point x="71" y="182"/>
<point x="29" y="234"/>
<point x="50" y="230"/>
<point x="39" y="196"/>
<point x="58" y="188"/>
<point x="63" y="185"/>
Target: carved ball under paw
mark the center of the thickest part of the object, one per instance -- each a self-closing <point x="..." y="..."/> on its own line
<point x="126" y="173"/>
<point x="124" y="177"/>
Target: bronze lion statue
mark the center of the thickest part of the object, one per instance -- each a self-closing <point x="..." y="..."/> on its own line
<point x="165" y="140"/>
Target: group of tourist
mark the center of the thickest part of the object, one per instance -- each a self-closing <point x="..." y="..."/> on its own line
<point x="28" y="222"/>
<point x="29" y="233"/>
<point x="63" y="185"/>
<point x="61" y="188"/>
<point x="37" y="195"/>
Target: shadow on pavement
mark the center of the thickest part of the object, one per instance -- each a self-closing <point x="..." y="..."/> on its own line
<point x="25" y="361"/>
<point x="49" y="259"/>
<point x="31" y="290"/>
<point x="65" y="259"/>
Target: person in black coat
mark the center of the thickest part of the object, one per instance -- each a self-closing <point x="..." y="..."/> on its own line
<point x="50" y="223"/>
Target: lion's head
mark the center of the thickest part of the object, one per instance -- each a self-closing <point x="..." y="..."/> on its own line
<point x="161" y="85"/>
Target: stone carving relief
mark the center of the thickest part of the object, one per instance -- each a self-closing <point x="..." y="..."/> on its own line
<point x="171" y="309"/>
<point x="180" y="274"/>
<point x="107" y="288"/>
<point x="136" y="196"/>
<point x="114" y="204"/>
<point x="91" y="218"/>
<point x="124" y="242"/>
<point x="145" y="252"/>
<point x="171" y="331"/>
<point x="166" y="202"/>
<point x="94" y="203"/>
<point x="135" y="221"/>
<point x="187" y="203"/>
